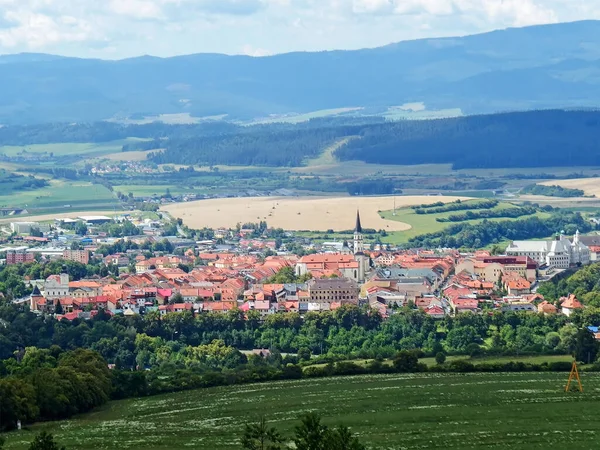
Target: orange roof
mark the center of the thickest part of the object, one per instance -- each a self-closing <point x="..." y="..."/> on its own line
<point x="572" y="303"/>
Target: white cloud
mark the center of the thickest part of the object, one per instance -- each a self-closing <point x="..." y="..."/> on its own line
<point x="122" y="28"/>
<point x="249" y="50"/>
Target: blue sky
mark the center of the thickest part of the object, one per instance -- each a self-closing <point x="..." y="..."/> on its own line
<point x="122" y="28"/>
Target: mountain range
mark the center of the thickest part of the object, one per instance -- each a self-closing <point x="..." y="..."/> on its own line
<point x="538" y="67"/>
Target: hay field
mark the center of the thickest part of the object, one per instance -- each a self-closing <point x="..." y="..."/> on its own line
<point x="591" y="186"/>
<point x="304" y="213"/>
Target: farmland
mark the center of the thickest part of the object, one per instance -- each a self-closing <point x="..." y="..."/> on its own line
<point x="409" y="411"/>
<point x="307" y="213"/>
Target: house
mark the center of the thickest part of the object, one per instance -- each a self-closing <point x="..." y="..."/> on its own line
<point x="569" y="305"/>
<point x="518" y="306"/>
<point x="547" y="308"/>
<point x="435" y="312"/>
<point x="515" y="284"/>
<point x="462" y="305"/>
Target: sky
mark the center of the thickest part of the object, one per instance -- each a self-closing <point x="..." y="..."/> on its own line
<point x="115" y="29"/>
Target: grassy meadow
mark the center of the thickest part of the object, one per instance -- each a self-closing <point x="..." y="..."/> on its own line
<point x="78" y="194"/>
<point x="427" y="223"/>
<point x="401" y="411"/>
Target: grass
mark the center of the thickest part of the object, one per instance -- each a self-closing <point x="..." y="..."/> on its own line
<point x="427" y="223"/>
<point x="327" y="158"/>
<point x="60" y="193"/>
<point x="67" y="148"/>
<point x="517" y="411"/>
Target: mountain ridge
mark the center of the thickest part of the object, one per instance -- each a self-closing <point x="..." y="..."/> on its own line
<point x="544" y="66"/>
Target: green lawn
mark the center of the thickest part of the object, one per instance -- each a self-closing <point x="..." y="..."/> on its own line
<point x="517" y="411"/>
<point x="61" y="193"/>
<point x="426" y="223"/>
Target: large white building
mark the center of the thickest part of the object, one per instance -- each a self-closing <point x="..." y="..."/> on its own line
<point x="559" y="252"/>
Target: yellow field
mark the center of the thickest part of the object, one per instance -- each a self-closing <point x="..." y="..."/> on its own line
<point x="591" y="186"/>
<point x="304" y="213"/>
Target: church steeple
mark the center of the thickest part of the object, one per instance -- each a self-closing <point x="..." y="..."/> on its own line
<point x="358" y="227"/>
<point x="358" y="237"/>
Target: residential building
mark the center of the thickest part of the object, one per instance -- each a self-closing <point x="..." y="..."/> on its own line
<point x="80" y="256"/>
<point x="569" y="305"/>
<point x="333" y="290"/>
<point x="18" y="257"/>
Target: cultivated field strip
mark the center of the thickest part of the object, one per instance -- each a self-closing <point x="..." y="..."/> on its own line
<point x="412" y="411"/>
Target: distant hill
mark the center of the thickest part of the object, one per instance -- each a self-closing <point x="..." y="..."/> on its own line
<point x="519" y="68"/>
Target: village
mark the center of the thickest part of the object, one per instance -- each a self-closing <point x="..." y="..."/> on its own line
<point x="235" y="271"/>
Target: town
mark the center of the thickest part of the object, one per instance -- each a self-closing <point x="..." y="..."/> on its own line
<point x="247" y="270"/>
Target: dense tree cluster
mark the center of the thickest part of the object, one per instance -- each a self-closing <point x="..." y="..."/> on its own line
<point x="479" y="235"/>
<point x="458" y="205"/>
<point x="552" y="191"/>
<point x="489" y="214"/>
<point x="48" y="384"/>
<point x="15" y="182"/>
<point x="525" y="139"/>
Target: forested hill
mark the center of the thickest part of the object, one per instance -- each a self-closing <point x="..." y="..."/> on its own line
<point x="525" y="139"/>
<point x="528" y="139"/>
<point x="547" y="66"/>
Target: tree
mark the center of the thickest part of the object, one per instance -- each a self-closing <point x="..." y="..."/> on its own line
<point x="259" y="436"/>
<point x="303" y="354"/>
<point x="177" y="298"/>
<point x="406" y="361"/>
<point x="586" y="346"/>
<point x="2" y="443"/>
<point x="45" y="441"/>
<point x="440" y="358"/>
<point x="341" y="438"/>
<point x="81" y="228"/>
<point x="58" y="309"/>
<point x="311" y="434"/>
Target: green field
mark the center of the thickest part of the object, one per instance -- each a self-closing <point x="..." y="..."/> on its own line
<point x="426" y="223"/>
<point x="147" y="190"/>
<point x="401" y="411"/>
<point x="78" y="194"/>
<point x="68" y="148"/>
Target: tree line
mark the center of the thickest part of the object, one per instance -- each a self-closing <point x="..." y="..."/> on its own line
<point x="489" y="214"/>
<point x="552" y="191"/>
<point x="458" y="205"/>
<point x="466" y="235"/>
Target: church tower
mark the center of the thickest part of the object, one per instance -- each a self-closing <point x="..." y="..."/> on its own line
<point x="358" y="236"/>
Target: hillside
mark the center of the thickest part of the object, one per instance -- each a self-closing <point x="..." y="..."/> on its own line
<point x="517" y="411"/>
<point x="550" y="138"/>
<point x="534" y="67"/>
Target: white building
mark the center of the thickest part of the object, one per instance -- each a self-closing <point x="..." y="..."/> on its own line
<point x="559" y="252"/>
<point x="56" y="286"/>
<point x="22" y="227"/>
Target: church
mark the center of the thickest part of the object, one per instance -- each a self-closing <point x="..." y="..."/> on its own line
<point x="364" y="261"/>
<point x="560" y="252"/>
<point x="351" y="262"/>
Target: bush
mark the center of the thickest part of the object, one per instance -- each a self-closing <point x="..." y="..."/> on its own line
<point x="440" y="358"/>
